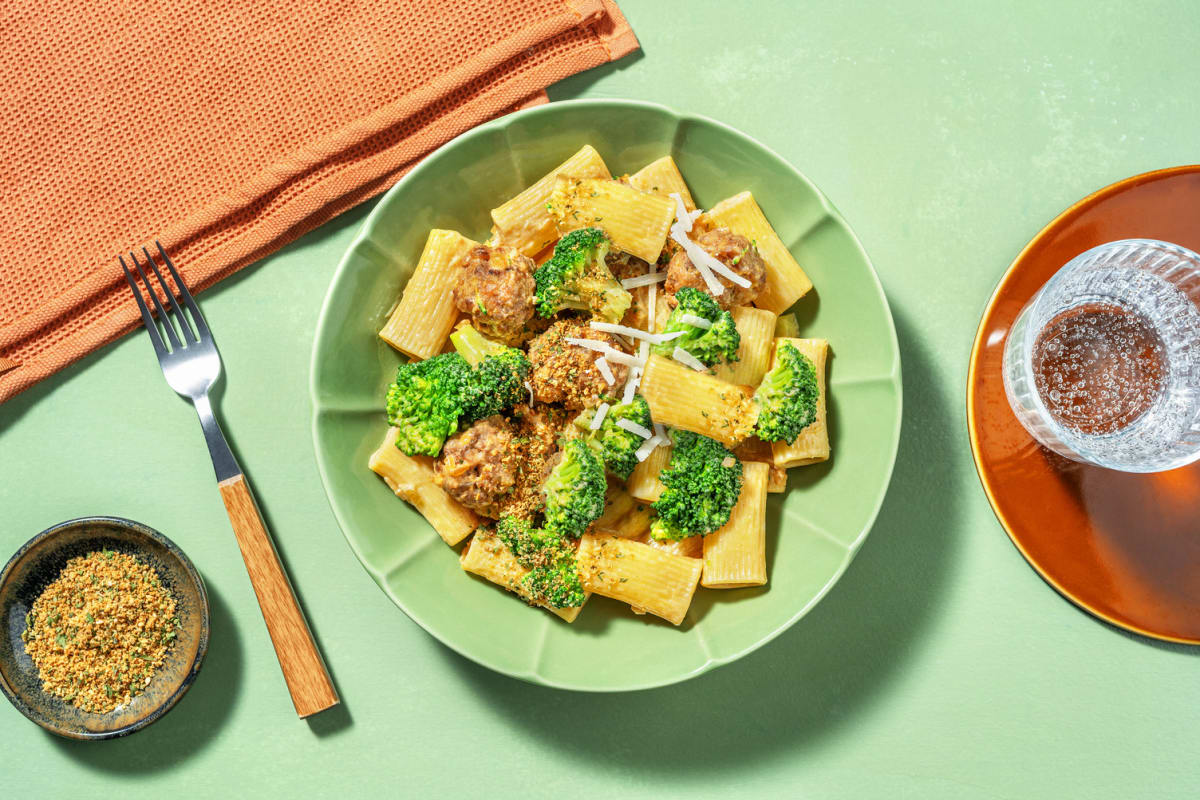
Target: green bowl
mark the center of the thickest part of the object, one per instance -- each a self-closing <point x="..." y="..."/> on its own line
<point x="814" y="529"/>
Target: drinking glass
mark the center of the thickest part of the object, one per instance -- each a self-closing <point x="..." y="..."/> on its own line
<point x="1102" y="365"/>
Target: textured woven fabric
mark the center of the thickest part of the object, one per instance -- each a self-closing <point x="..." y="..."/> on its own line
<point x="227" y="129"/>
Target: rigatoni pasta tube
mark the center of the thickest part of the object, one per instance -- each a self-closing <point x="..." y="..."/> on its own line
<point x="524" y="222"/>
<point x="643" y="481"/>
<point x="617" y="504"/>
<point x="777" y="480"/>
<point x="648" y="579"/>
<point x="756" y="327"/>
<point x="812" y="445"/>
<point x="754" y="449"/>
<point x="680" y="397"/>
<point x="691" y="546"/>
<point x="411" y="478"/>
<point x="636" y="523"/>
<point x="788" y="326"/>
<point x="662" y="177"/>
<point x="488" y="557"/>
<point x="786" y="281"/>
<point x="419" y="325"/>
<point x="735" y="555"/>
<point x="624" y="515"/>
<point x="636" y="222"/>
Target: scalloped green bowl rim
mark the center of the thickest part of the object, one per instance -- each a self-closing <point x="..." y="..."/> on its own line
<point x="815" y="529"/>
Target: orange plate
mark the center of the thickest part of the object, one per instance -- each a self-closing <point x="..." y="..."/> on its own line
<point x="1124" y="547"/>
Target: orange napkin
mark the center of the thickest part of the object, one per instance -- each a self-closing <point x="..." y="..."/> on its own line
<point x="226" y="129"/>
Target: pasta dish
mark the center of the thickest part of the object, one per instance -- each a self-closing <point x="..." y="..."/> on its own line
<point x="599" y="398"/>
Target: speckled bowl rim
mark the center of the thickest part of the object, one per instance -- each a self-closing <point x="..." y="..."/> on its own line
<point x="162" y="708"/>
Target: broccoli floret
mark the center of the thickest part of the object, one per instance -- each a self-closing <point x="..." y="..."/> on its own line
<point x="787" y="396"/>
<point x="527" y="542"/>
<point x="617" y="446"/>
<point x="498" y="377"/>
<point x="663" y="531"/>
<point x="711" y="345"/>
<point x="553" y="578"/>
<point x="574" y="490"/>
<point x="702" y="483"/>
<point x="577" y="277"/>
<point x="557" y="584"/>
<point x="426" y="400"/>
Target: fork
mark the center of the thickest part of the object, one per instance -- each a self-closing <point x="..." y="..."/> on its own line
<point x="191" y="364"/>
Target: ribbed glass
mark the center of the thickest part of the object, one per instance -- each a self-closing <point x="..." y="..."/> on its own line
<point x="1155" y="281"/>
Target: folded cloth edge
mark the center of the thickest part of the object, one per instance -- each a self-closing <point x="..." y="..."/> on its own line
<point x="293" y="166"/>
<point x="614" y="38"/>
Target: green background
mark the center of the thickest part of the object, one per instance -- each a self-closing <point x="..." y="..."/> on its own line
<point x="940" y="665"/>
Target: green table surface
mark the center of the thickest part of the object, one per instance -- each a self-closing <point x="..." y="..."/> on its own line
<point x="940" y="666"/>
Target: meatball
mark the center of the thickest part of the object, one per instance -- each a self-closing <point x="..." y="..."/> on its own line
<point x="565" y="373"/>
<point x="496" y="288"/>
<point x="537" y="433"/>
<point x="732" y="250"/>
<point x="624" y="265"/>
<point x="478" y="467"/>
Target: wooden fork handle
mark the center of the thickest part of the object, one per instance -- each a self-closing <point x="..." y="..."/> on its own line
<point x="305" y="673"/>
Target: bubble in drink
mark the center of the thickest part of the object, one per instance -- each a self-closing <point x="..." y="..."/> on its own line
<point x="1098" y="368"/>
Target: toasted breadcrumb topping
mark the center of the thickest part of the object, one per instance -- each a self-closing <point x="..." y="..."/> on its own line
<point x="99" y="632"/>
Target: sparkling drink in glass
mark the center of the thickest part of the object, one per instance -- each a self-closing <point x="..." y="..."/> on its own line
<point x="1103" y="363"/>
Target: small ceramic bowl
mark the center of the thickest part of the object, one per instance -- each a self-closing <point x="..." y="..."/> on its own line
<point x="38" y="563"/>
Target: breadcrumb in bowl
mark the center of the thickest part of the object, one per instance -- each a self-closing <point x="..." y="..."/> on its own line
<point x="40" y="563"/>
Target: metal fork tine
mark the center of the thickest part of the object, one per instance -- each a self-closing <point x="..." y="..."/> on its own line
<point x="162" y="312"/>
<point x="197" y="317"/>
<point x="185" y="329"/>
<point x="151" y="328"/>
